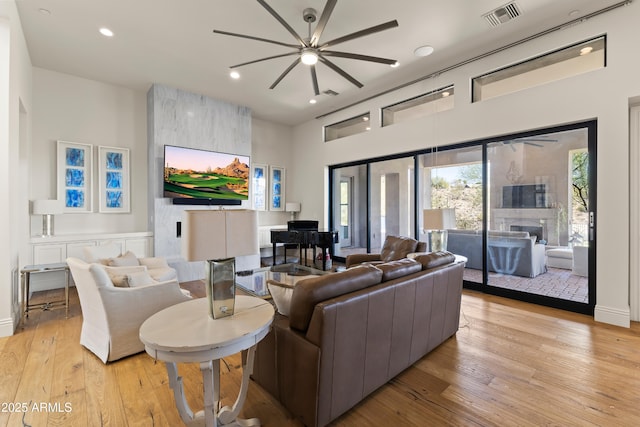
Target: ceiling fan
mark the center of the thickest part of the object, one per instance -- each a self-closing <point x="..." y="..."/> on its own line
<point x="528" y="141"/>
<point x="310" y="50"/>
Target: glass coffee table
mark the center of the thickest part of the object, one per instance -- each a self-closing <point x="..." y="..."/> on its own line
<point x="254" y="282"/>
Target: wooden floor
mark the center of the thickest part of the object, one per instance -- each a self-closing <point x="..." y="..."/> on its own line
<point x="510" y="364"/>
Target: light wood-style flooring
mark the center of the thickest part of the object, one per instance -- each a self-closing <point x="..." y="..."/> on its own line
<point x="510" y="364"/>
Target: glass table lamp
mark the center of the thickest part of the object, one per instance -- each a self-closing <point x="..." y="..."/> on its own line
<point x="436" y="222"/>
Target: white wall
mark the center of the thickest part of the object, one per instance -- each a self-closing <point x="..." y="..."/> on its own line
<point x="603" y="94"/>
<point x="271" y="145"/>
<point x="79" y="110"/>
<point x="15" y="105"/>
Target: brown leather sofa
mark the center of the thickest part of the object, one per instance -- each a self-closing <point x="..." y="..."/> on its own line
<point x="349" y="333"/>
<point x="393" y="248"/>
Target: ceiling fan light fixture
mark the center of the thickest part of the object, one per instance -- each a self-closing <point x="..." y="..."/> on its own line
<point x="309" y="57"/>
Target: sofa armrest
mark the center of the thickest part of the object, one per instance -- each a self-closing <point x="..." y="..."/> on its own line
<point x="355" y="259"/>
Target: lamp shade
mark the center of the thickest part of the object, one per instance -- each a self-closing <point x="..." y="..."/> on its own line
<point x="439" y="219"/>
<point x="208" y="234"/>
<point x="292" y="207"/>
<point x="47" y="207"/>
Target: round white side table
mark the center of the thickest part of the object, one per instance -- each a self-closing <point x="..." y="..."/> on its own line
<point x="184" y="333"/>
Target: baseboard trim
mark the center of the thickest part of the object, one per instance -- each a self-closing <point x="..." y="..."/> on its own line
<point x="613" y="316"/>
<point x="7" y="327"/>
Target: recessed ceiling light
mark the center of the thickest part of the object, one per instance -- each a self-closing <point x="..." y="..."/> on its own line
<point x="423" y="51"/>
<point x="445" y="94"/>
<point x="367" y="128"/>
<point x="395" y="64"/>
<point x="106" y="32"/>
<point x="44" y="11"/>
<point x="365" y="119"/>
<point x="234" y="75"/>
<point x="312" y="101"/>
<point x="574" y="13"/>
<point x="586" y="50"/>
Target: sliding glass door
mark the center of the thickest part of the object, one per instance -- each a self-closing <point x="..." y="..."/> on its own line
<point x="539" y="208"/>
<point x="520" y="209"/>
<point x="453" y="179"/>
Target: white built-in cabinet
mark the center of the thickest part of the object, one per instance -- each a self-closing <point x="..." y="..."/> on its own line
<point x="55" y="249"/>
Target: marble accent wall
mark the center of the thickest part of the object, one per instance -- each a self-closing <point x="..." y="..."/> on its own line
<point x="176" y="117"/>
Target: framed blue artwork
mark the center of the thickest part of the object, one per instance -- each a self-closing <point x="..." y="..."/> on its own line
<point x="114" y="178"/>
<point x="276" y="193"/>
<point x="74" y="170"/>
<point x="259" y="177"/>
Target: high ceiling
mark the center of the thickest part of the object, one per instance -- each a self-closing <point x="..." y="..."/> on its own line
<point x="171" y="42"/>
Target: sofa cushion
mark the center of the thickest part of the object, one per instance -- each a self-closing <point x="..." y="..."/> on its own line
<point x="435" y="259"/>
<point x="101" y="252"/>
<point x="119" y="275"/>
<point x="397" y="247"/>
<point x="128" y="259"/>
<point x="510" y="234"/>
<point x="139" y="278"/>
<point x="401" y="267"/>
<point x="153" y="262"/>
<point x="281" y="294"/>
<point x="308" y="292"/>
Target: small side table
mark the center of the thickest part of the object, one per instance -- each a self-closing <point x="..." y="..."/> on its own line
<point x="184" y="333"/>
<point x="25" y="275"/>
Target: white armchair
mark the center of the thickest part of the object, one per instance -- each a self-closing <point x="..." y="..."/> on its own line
<point x="112" y="315"/>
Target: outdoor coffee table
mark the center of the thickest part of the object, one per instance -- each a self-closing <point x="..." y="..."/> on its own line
<point x="184" y="333"/>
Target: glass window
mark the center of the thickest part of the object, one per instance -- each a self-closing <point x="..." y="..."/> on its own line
<point x="347" y="127"/>
<point x="420" y="106"/>
<point x="569" y="61"/>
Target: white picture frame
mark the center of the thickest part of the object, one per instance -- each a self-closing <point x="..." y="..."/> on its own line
<point x="260" y="185"/>
<point x="114" y="180"/>
<point x="75" y="176"/>
<point x="276" y="188"/>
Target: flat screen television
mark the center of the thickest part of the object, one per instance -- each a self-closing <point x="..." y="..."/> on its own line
<point x="203" y="177"/>
<point x="524" y="196"/>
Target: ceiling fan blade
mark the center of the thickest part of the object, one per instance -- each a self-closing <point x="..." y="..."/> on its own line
<point x="340" y="71"/>
<point x="283" y="22"/>
<point x="260" y="39"/>
<point x="314" y="80"/>
<point x="283" y="75"/>
<point x="361" y="33"/>
<point x="264" y="59"/>
<point x="359" y="57"/>
<point x="326" y="14"/>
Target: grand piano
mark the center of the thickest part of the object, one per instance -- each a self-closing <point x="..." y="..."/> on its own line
<point x="305" y="234"/>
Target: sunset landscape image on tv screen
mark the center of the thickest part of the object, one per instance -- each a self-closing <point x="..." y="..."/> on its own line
<point x="201" y="174"/>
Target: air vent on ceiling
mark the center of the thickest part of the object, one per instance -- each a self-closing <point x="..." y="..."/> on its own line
<point x="330" y="92"/>
<point x="502" y="14"/>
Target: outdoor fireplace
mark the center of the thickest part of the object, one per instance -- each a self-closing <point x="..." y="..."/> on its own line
<point x="532" y="230"/>
<point x="547" y="218"/>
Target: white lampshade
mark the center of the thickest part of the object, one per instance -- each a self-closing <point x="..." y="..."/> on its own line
<point x="439" y="219"/>
<point x="208" y="234"/>
<point x="292" y="207"/>
<point x="47" y="207"/>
